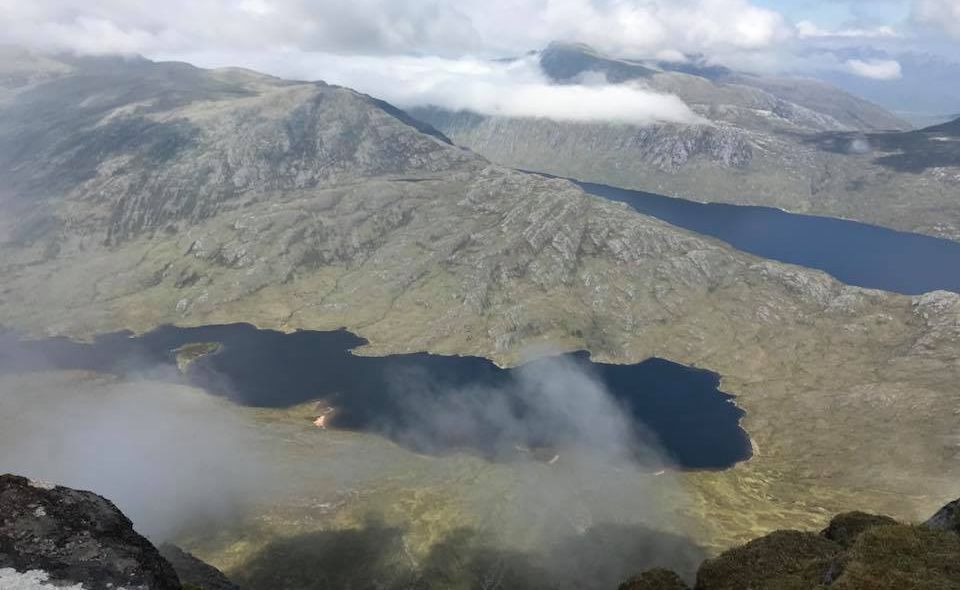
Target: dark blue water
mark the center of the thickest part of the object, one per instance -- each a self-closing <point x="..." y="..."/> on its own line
<point x="675" y="407"/>
<point x="855" y="253"/>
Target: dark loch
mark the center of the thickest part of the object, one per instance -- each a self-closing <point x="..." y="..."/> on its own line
<point x="854" y="253"/>
<point x="679" y="408"/>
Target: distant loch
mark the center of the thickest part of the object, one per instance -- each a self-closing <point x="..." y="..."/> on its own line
<point x="854" y="253"/>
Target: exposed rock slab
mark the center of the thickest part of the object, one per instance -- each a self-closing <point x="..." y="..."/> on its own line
<point x="70" y="537"/>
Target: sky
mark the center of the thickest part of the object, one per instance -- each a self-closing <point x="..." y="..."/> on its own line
<point x="841" y="13"/>
<point x="414" y="51"/>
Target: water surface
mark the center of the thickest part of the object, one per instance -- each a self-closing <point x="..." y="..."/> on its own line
<point x="855" y="253"/>
<point x="676" y="408"/>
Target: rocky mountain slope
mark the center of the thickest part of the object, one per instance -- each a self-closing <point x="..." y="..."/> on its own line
<point x="140" y="193"/>
<point x="857" y="551"/>
<point x="762" y="143"/>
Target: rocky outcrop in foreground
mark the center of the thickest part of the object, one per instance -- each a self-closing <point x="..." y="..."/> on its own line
<point x="74" y="537"/>
<point x="57" y="537"/>
<point x="857" y="551"/>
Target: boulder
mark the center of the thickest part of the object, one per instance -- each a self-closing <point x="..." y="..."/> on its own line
<point x="655" y="579"/>
<point x="71" y="538"/>
<point x="847" y="527"/>
<point x="782" y="560"/>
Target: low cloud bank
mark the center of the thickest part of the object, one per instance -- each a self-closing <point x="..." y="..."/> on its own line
<point x="168" y="456"/>
<point x="809" y="30"/>
<point x="505" y="88"/>
<point x="876" y="69"/>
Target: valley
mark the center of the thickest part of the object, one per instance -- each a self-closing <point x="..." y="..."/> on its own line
<point x="179" y="225"/>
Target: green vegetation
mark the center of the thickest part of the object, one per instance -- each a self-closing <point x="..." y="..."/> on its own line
<point x="783" y="560"/>
<point x="847" y="527"/>
<point x="857" y="551"/>
<point x="902" y="557"/>
<point x="189" y="353"/>
<point x="655" y="579"/>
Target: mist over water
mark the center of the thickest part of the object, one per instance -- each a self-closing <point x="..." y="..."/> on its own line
<point x="572" y="494"/>
<point x="435" y="404"/>
<point x="557" y="404"/>
<point x="569" y="497"/>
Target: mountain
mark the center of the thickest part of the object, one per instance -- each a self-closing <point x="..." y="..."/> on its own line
<point x="760" y="145"/>
<point x="724" y="95"/>
<point x="139" y="193"/>
<point x="949" y="129"/>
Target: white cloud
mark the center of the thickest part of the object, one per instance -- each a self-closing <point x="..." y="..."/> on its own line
<point x="879" y="69"/>
<point x="736" y="33"/>
<point x="809" y="30"/>
<point x="516" y="89"/>
<point x="437" y="27"/>
<point x="941" y="14"/>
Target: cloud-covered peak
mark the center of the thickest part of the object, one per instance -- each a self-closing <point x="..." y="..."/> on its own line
<point x="513" y="88"/>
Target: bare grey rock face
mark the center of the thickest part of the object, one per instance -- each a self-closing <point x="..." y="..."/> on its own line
<point x="173" y="193"/>
<point x="154" y="144"/>
<point x="60" y="536"/>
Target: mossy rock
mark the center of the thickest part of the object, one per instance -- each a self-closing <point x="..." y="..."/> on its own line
<point x="783" y="560"/>
<point x="902" y="558"/>
<point x="655" y="579"/>
<point x="847" y="527"/>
